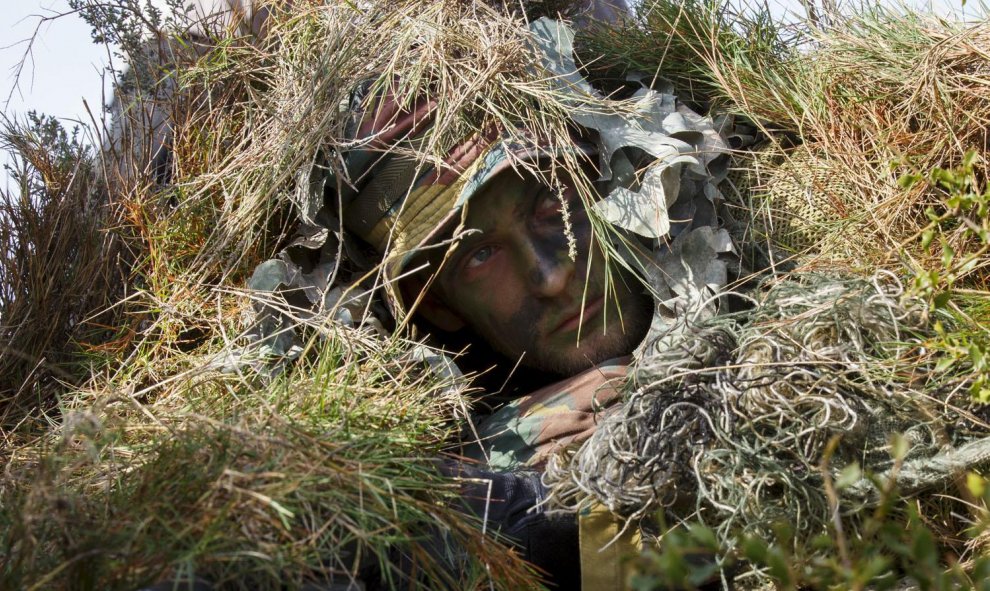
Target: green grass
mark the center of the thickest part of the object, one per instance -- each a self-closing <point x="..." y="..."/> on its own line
<point x="321" y="473"/>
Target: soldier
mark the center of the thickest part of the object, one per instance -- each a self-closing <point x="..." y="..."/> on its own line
<point x="509" y="264"/>
<point x="481" y="247"/>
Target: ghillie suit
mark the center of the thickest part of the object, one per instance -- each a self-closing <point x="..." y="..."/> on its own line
<point x="744" y="421"/>
<point x="346" y="180"/>
<point x="688" y="417"/>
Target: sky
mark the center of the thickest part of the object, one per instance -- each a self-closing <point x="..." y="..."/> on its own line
<point x="61" y="67"/>
<point x="63" y="70"/>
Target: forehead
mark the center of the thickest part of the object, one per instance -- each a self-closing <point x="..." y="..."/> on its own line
<point x="503" y="196"/>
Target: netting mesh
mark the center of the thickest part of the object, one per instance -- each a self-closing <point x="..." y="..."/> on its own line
<point x="792" y="197"/>
<point x="730" y="420"/>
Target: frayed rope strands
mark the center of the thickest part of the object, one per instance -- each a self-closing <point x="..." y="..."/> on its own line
<point x="730" y="419"/>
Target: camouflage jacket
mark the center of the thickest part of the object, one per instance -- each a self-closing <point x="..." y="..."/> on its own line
<point x="526" y="431"/>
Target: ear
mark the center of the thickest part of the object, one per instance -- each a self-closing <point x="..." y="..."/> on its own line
<point x="430" y="306"/>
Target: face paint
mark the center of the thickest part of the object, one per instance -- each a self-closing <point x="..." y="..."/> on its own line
<point x="511" y="281"/>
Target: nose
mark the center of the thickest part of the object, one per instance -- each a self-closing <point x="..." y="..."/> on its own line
<point x="550" y="269"/>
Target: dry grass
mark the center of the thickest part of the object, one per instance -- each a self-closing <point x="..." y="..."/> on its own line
<point x="323" y="474"/>
<point x="60" y="270"/>
<point x="876" y="94"/>
<point x="119" y="294"/>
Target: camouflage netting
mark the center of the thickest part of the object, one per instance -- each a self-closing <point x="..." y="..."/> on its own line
<point x="732" y="419"/>
<point x="792" y="197"/>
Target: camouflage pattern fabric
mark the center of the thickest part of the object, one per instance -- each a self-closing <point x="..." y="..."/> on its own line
<point x="527" y="431"/>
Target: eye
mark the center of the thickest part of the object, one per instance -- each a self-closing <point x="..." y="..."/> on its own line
<point x="479" y="257"/>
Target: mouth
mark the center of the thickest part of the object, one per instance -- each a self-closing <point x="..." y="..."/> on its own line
<point x="572" y="321"/>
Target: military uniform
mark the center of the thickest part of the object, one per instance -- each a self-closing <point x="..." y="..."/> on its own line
<point x="525" y="432"/>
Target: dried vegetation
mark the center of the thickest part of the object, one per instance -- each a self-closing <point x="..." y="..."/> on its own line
<point x="129" y="455"/>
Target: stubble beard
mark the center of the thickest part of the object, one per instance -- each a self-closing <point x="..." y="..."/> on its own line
<point x="619" y="335"/>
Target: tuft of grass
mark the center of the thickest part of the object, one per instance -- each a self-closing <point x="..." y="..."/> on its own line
<point x="60" y="271"/>
<point x="326" y="473"/>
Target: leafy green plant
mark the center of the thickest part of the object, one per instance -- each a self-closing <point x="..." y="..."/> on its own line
<point x="895" y="545"/>
<point x="959" y="225"/>
<point x="958" y="237"/>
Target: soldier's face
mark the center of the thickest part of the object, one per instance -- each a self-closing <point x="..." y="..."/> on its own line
<point x="511" y="281"/>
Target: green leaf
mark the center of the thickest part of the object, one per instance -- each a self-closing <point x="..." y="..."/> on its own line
<point x="822" y="542"/>
<point x="977" y="357"/>
<point x="976" y="484"/>
<point x="908" y="180"/>
<point x="849" y="475"/>
<point x="755" y="550"/>
<point x="945" y="178"/>
<point x="944" y="363"/>
<point x="941" y="300"/>
<point x="980" y="392"/>
<point x="948" y="253"/>
<point x="970" y="158"/>
<point x="779" y="569"/>
<point x="981" y="210"/>
<point x="923" y="547"/>
<point x="981" y="572"/>
<point x="872" y="567"/>
<point x="704" y="536"/>
<point x="926" y="238"/>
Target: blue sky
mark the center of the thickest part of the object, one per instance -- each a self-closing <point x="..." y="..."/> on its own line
<point x="63" y="67"/>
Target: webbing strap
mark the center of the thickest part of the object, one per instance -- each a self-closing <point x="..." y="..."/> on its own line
<point x="604" y="554"/>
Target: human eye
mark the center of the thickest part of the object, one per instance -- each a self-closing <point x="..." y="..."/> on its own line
<point x="478" y="257"/>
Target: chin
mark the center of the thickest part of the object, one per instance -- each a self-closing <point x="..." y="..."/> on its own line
<point x="619" y="339"/>
<point x="589" y="353"/>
